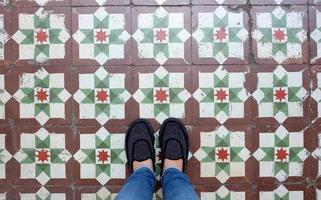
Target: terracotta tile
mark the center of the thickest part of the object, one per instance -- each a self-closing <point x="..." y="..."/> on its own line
<point x="43" y="38"/>
<point x="47" y="3"/>
<point x="43" y="156"/>
<point x="100" y="156"/>
<point x="220" y="95"/>
<point x="278" y="2"/>
<point x="102" y="95"/>
<point x="221" y="155"/>
<point x="162" y="92"/>
<point x="41" y="96"/>
<point x="161" y="2"/>
<point x="220" y="35"/>
<point x="281" y="154"/>
<point x="101" y="35"/>
<point x="280" y="34"/>
<point x="161" y="35"/>
<point x="99" y="2"/>
<point x="280" y="94"/>
<point x="315" y="28"/>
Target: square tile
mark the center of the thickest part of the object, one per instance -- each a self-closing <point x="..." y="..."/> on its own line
<point x="315" y="99"/>
<point x="5" y="35"/>
<point x="100" y="156"/>
<point x="161" y="35"/>
<point x="219" y="35"/>
<point x="42" y="96"/>
<point x="220" y="94"/>
<point x="35" y="3"/>
<point x="286" y="192"/>
<point x="280" y="94"/>
<point x="232" y="192"/>
<point x="271" y="43"/>
<point x="161" y="2"/>
<point x="218" y="2"/>
<point x="5" y="94"/>
<point x="41" y="36"/>
<point x="315" y="27"/>
<point x="278" y="2"/>
<point x="44" y="156"/>
<point x="6" y="153"/>
<point x="96" y="193"/>
<point x="44" y="193"/>
<point x="162" y="92"/>
<point x="101" y="95"/>
<point x="101" y="35"/>
<point x="99" y="2"/>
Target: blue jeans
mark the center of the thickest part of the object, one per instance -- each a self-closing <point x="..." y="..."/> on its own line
<point x="141" y="184"/>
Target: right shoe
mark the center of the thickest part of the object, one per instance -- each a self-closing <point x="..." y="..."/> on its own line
<point x="174" y="141"/>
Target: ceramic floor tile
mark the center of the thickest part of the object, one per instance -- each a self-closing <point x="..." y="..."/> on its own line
<point x="101" y="156"/>
<point x="83" y="193"/>
<point x="315" y="2"/>
<point x="216" y="2"/>
<point x="101" y="95"/>
<point x="285" y="192"/>
<point x="315" y="27"/>
<point x="315" y="103"/>
<point x="5" y="32"/>
<point x="280" y="35"/>
<point x="49" y="3"/>
<point x="101" y="35"/>
<point x="99" y="2"/>
<point x="44" y="193"/>
<point x="278" y="2"/>
<point x="281" y="94"/>
<point x="220" y="35"/>
<point x="6" y="152"/>
<point x="221" y="94"/>
<point x="161" y="35"/>
<point x="160" y="2"/>
<point x="163" y="92"/>
<point x="41" y="36"/>
<point x="5" y="96"/>
<point x="42" y="95"/>
<point x="232" y="192"/>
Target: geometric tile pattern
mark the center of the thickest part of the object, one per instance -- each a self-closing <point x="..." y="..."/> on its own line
<point x="5" y="156"/>
<point x="280" y="94"/>
<point x="3" y="37"/>
<point x="281" y="154"/>
<point x="282" y="193"/>
<point x="4" y="96"/>
<point x="101" y="156"/>
<point x="223" y="193"/>
<point x="315" y="15"/>
<point x="42" y="156"/>
<point x="42" y="95"/>
<point x="279" y="35"/>
<point x="161" y="95"/>
<point x="41" y="36"/>
<point x="222" y="154"/>
<point x="316" y="94"/>
<point x="317" y="155"/>
<point x="43" y="194"/>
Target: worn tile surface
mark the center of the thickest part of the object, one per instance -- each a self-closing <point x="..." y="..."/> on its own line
<point x="243" y="75"/>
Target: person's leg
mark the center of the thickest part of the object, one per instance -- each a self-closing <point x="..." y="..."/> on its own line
<point x="139" y="186"/>
<point x="176" y="186"/>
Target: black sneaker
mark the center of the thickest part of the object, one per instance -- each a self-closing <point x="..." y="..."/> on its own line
<point x="174" y="141"/>
<point x="139" y="142"/>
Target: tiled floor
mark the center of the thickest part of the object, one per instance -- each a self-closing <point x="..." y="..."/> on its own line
<point x="243" y="75"/>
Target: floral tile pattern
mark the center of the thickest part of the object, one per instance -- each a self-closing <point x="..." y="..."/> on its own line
<point x="280" y="36"/>
<point x="41" y="36"/>
<point x="161" y="36"/>
<point x="221" y="36"/>
<point x="102" y="35"/>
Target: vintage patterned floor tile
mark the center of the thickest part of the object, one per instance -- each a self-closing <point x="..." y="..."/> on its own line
<point x="6" y="152"/>
<point x="99" y="2"/>
<point x="232" y="192"/>
<point x="92" y="193"/>
<point x="315" y="149"/>
<point x="101" y="95"/>
<point x="218" y="2"/>
<point x="101" y="35"/>
<point x="280" y="94"/>
<point x="44" y="193"/>
<point x="5" y="96"/>
<point x="43" y="156"/>
<point x="5" y="28"/>
<point x="220" y="35"/>
<point x="315" y="27"/>
<point x="223" y="155"/>
<point x="47" y="3"/>
<point x="42" y="95"/>
<point x="101" y="156"/>
<point x="280" y="35"/>
<point x="280" y="154"/>
<point x="161" y="2"/>
<point x="221" y="94"/>
<point x="278" y="2"/>
<point x="295" y="192"/>
<point x="315" y="103"/>
<point x="161" y="35"/>
<point x="315" y="2"/>
<point x="41" y="36"/>
<point x="163" y="92"/>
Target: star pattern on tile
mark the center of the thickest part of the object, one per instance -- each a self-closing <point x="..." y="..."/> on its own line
<point x="41" y="36"/>
<point x="222" y="154"/>
<point x="280" y="94"/>
<point x="42" y="156"/>
<point x="161" y="94"/>
<point x="277" y="37"/>
<point x="102" y="96"/>
<point x="103" y="155"/>
<point x="221" y="94"/>
<point x="161" y="35"/>
<point x="221" y="35"/>
<point x="281" y="154"/>
<point x="101" y="36"/>
<point x="42" y="96"/>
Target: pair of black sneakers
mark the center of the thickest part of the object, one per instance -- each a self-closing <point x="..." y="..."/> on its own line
<point x="140" y="139"/>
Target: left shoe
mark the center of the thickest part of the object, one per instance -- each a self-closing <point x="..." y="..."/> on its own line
<point x="139" y="142"/>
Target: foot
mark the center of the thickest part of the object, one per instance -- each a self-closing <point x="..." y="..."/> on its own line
<point x="146" y="163"/>
<point x="178" y="164"/>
